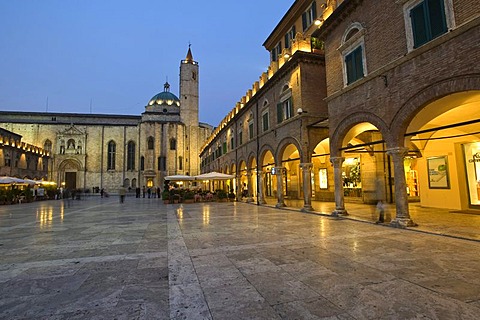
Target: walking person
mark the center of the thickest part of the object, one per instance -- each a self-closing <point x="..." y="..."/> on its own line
<point x="381" y="212"/>
<point x="122" y="192"/>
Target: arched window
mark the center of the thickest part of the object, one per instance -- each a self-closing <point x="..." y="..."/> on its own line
<point x="126" y="183"/>
<point x="353" y="52"/>
<point x="47" y="146"/>
<point x="134" y="183"/>
<point x="150" y="143"/>
<point x="142" y="163"/>
<point x="180" y="163"/>
<point x="131" y="155"/>
<point x="173" y="144"/>
<point x="112" y="148"/>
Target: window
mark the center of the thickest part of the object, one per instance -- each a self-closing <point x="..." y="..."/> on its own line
<point x="111" y="155"/>
<point x="180" y="163"/>
<point x="240" y="137"/>
<point x="17" y="160"/>
<point x="309" y="16"/>
<point x="276" y="52"/>
<point x="150" y="143"/>
<point x="8" y="161"/>
<point x="232" y="140"/>
<point x="284" y="110"/>
<point x="265" y="121"/>
<point x="251" y="133"/>
<point x="47" y="146"/>
<point x="142" y="163"/>
<point x="173" y="144"/>
<point x="224" y="146"/>
<point x="428" y="21"/>
<point x="162" y="163"/>
<point x="354" y="65"/>
<point x="131" y="155"/>
<point x="289" y="37"/>
<point x="353" y="53"/>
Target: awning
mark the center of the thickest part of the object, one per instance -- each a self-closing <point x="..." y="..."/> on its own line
<point x="214" y="176"/>
<point x="11" y="180"/>
<point x="179" y="177"/>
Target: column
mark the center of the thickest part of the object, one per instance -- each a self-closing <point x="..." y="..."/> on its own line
<point x="307" y="186"/>
<point x="249" y="186"/>
<point x="279" y="174"/>
<point x="338" y="182"/>
<point x="402" y="216"/>
<point x="261" y="188"/>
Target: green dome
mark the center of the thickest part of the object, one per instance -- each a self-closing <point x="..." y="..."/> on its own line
<point x="165" y="98"/>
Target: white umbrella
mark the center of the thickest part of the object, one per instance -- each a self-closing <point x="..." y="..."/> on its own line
<point x="214" y="176"/>
<point x="30" y="181"/>
<point x="179" y="177"/>
<point x="10" y="180"/>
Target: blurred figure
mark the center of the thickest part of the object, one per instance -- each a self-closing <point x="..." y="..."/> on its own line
<point x="122" y="192"/>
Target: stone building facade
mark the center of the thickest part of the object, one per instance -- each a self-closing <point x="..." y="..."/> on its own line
<point x="108" y="151"/>
<point x="20" y="159"/>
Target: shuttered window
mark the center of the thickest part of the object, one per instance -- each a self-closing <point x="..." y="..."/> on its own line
<point x="428" y="21"/>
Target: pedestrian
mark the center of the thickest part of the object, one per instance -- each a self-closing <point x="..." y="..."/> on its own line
<point x="102" y="192"/>
<point x="137" y="192"/>
<point x="381" y="212"/>
<point x="143" y="191"/>
<point x="158" y="192"/>
<point x="122" y="192"/>
<point x="149" y="192"/>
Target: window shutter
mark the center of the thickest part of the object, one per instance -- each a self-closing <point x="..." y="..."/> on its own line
<point x="314" y="11"/>
<point x="287" y="40"/>
<point x="349" y="68"/>
<point x="438" y="24"/>
<point x="279" y="113"/>
<point x="357" y="55"/>
<point x="417" y="16"/>
<point x="304" y="21"/>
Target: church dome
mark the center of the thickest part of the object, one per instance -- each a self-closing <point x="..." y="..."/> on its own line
<point x="165" y="98"/>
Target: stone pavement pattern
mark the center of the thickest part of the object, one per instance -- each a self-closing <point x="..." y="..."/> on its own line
<point x="99" y="259"/>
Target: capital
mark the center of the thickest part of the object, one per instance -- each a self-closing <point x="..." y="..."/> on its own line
<point x="397" y="151"/>
<point x="337" y="161"/>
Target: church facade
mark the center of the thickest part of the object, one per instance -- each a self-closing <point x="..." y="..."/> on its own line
<point x="108" y="151"/>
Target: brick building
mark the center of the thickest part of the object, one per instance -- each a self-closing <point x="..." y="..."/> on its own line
<point x="273" y="137"/>
<point x="108" y="151"/>
<point x="362" y="101"/>
<point x="403" y="94"/>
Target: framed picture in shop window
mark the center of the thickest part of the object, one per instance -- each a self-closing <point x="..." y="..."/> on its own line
<point x="438" y="173"/>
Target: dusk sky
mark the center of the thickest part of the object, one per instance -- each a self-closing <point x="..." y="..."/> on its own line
<point x="113" y="56"/>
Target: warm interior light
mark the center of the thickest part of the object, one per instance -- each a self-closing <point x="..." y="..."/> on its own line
<point x="318" y="22"/>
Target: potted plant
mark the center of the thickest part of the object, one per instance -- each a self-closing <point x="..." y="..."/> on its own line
<point x="221" y="195"/>
<point x="166" y="197"/>
<point x="188" y="196"/>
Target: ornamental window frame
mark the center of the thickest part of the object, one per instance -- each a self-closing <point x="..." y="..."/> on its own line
<point x="409" y="33"/>
<point x="353" y="43"/>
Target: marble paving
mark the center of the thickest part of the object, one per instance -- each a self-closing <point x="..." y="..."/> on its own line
<point x="98" y="259"/>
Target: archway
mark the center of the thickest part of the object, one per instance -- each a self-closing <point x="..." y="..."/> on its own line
<point x="267" y="171"/>
<point x="68" y="174"/>
<point x="445" y="172"/>
<point x="322" y="176"/>
<point x="291" y="175"/>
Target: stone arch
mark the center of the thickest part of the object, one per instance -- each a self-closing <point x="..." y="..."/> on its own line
<point x="251" y="157"/>
<point x="435" y="91"/>
<point x="70" y="164"/>
<point x="338" y="135"/>
<point x="281" y="148"/>
<point x="263" y="151"/>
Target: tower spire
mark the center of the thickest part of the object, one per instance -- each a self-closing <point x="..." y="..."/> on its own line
<point x="189" y="58"/>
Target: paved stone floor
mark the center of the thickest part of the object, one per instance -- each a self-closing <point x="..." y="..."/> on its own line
<point x="99" y="259"/>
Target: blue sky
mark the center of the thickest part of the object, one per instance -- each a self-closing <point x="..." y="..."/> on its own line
<point x="114" y="55"/>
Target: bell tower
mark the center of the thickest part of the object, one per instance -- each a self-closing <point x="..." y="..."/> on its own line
<point x="189" y="90"/>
